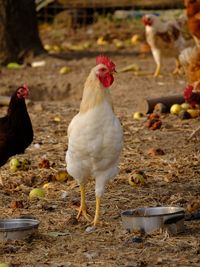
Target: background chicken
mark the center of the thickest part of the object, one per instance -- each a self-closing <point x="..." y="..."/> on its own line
<point x="95" y="135"/>
<point x="190" y="58"/>
<point x="163" y="38"/>
<point x="16" y="132"/>
<point x="193" y="14"/>
<point x="191" y="63"/>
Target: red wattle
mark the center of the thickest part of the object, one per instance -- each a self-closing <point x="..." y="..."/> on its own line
<point x="106" y="80"/>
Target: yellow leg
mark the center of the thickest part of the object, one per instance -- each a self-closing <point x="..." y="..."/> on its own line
<point x="97" y="212"/>
<point x="178" y="67"/>
<point x="83" y="208"/>
<point x="157" y="71"/>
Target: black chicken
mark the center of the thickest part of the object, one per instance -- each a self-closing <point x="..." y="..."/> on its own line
<point x="16" y="132"/>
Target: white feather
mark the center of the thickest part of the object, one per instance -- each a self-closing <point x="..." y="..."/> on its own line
<point x="94" y="146"/>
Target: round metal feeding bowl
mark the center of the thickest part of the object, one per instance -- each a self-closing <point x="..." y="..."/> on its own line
<point x="15" y="229"/>
<point x="148" y="220"/>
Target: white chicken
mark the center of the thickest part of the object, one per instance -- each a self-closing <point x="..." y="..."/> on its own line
<point x="164" y="38"/>
<point x="95" y="136"/>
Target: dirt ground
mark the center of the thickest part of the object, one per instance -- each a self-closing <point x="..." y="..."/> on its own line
<point x="171" y="179"/>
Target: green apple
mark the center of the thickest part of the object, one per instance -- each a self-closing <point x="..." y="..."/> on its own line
<point x="37" y="193"/>
<point x="14" y="164"/>
<point x="185" y="106"/>
<point x="136" y="179"/>
<point x="4" y="264"/>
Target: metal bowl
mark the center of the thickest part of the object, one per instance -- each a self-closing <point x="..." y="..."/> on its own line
<point x="148" y="220"/>
<point x="15" y="229"/>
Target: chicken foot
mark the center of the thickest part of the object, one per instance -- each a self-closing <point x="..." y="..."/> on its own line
<point x="177" y="69"/>
<point x="83" y="207"/>
<point x="157" y="71"/>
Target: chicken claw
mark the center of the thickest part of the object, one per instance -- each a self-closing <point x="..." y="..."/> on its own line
<point x="157" y="71"/>
<point x="177" y="69"/>
<point x="83" y="211"/>
<point x="83" y="207"/>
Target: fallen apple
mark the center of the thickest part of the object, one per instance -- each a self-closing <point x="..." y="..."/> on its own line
<point x="48" y="185"/>
<point x="136" y="179"/>
<point x="4" y="264"/>
<point x="14" y="164"/>
<point x="37" y="193"/>
<point x="25" y="164"/>
<point x="137" y="115"/>
<point x="185" y="106"/>
<point x="175" y="109"/>
<point x="184" y="115"/>
<point x="62" y="176"/>
<point x="193" y="112"/>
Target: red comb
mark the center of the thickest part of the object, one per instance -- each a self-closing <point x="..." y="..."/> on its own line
<point x="101" y="59"/>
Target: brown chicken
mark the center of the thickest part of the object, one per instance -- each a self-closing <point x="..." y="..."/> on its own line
<point x="16" y="132"/>
<point x="164" y="38"/>
<point x="193" y="14"/>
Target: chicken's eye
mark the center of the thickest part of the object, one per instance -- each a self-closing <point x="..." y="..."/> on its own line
<point x="103" y="69"/>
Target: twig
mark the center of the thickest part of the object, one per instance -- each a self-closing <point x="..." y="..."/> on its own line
<point x="194" y="133"/>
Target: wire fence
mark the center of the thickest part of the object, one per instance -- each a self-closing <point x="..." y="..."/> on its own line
<point x="78" y="13"/>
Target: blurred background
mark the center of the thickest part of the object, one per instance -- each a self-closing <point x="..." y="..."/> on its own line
<point x="94" y="23"/>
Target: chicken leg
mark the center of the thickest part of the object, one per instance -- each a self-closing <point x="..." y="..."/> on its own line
<point x="83" y="207"/>
<point x="177" y="69"/>
<point x="157" y="59"/>
<point x="157" y="71"/>
<point x="1" y="181"/>
<point x="97" y="212"/>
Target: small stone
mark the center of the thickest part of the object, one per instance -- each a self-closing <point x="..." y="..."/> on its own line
<point x="90" y="229"/>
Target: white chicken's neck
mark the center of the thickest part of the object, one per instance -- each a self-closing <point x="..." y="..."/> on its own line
<point x="94" y="94"/>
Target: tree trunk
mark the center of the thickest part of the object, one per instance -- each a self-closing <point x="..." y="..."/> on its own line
<point x="18" y="30"/>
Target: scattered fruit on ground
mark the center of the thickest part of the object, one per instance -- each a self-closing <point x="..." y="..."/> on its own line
<point x="154" y="121"/>
<point x="185" y="106"/>
<point x="16" y="204"/>
<point x="118" y="43"/>
<point x="101" y="41"/>
<point x="65" y="70"/>
<point x="14" y="164"/>
<point x="137" y="179"/>
<point x="37" y="193"/>
<point x="135" y="39"/>
<point x="62" y="176"/>
<point x="137" y="115"/>
<point x="4" y="265"/>
<point x="25" y="164"/>
<point x="184" y="115"/>
<point x="175" y="109"/>
<point x="48" y="185"/>
<point x="44" y="164"/>
<point x="193" y="112"/>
